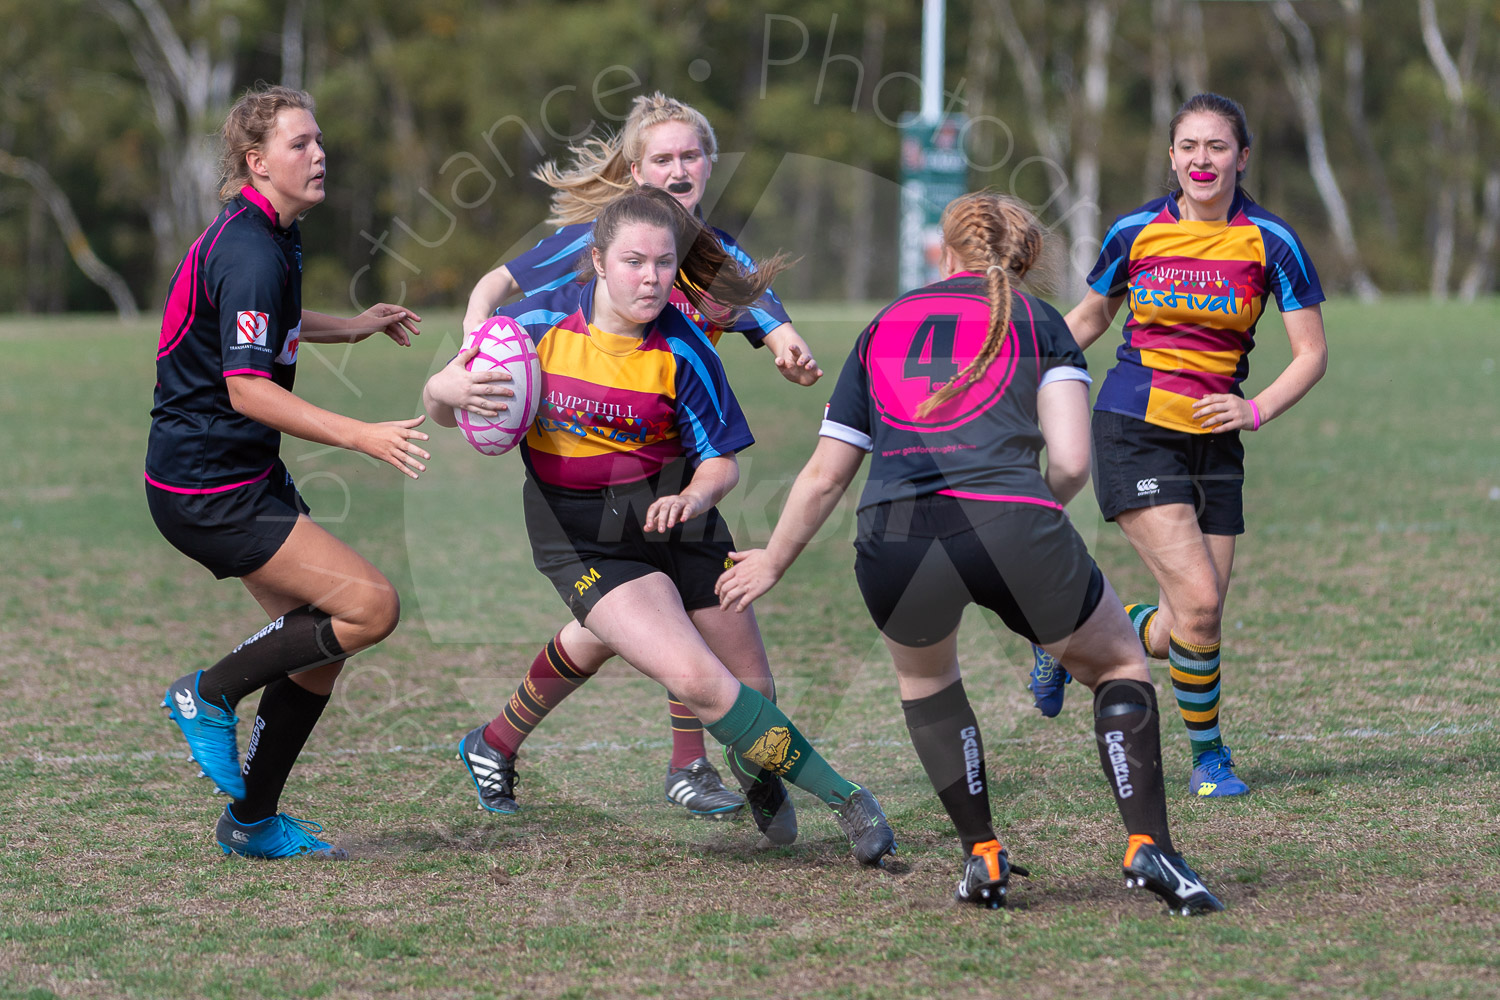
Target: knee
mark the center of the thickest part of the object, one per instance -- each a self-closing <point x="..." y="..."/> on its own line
<point x="387" y="612"/>
<point x="1197" y="619"/>
<point x="376" y="617"/>
<point x="709" y="697"/>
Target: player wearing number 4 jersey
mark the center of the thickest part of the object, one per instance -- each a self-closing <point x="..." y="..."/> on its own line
<point x="953" y="391"/>
<point x="1196" y="269"/>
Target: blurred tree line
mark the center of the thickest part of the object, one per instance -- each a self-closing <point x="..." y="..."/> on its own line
<point x="1375" y="128"/>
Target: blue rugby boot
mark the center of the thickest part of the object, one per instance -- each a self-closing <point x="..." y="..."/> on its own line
<point x="1213" y="775"/>
<point x="210" y="733"/>
<point x="279" y="836"/>
<point x="1047" y="680"/>
<point x="1168" y="876"/>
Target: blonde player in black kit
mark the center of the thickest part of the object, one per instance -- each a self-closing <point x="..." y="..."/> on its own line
<point x="955" y="388"/>
<point x="219" y="491"/>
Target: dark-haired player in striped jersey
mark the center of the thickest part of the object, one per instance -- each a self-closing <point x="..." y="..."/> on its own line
<point x="632" y="447"/>
<point x="669" y="145"/>
<point x="1196" y="268"/>
<point x="954" y="389"/>
<point x="217" y="487"/>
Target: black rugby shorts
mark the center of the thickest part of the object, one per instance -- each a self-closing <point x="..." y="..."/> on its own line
<point x="588" y="542"/>
<point x="920" y="562"/>
<point x="1137" y="465"/>
<point x="233" y="532"/>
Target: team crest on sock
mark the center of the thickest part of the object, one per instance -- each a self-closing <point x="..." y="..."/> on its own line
<point x="770" y="751"/>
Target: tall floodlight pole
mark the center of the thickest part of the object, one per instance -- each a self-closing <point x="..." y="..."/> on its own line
<point x="934" y="169"/>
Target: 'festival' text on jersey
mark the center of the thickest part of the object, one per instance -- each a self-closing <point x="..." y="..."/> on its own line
<point x="234" y="308"/>
<point x="1194" y="291"/>
<point x="616" y="409"/>
<point x="983" y="443"/>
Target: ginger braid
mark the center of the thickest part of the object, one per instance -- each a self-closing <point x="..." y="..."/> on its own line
<point x="999" y="236"/>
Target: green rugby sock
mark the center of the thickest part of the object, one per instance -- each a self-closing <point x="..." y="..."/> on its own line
<point x="763" y="738"/>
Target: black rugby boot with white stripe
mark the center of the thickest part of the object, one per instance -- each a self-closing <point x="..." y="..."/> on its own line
<point x="494" y="773"/>
<point x="699" y="789"/>
<point x="1168" y="875"/>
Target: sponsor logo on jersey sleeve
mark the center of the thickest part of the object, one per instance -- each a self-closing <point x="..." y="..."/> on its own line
<point x="288" y="355"/>
<point x="250" y="328"/>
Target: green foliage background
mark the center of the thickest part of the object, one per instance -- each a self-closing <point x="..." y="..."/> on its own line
<point x="408" y="94"/>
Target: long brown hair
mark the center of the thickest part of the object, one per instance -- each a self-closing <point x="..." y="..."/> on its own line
<point x="601" y="167"/>
<point x="717" y="284"/>
<point x="247" y="126"/>
<point x="998" y="236"/>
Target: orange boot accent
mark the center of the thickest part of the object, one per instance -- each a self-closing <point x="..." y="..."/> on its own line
<point x="1136" y="840"/>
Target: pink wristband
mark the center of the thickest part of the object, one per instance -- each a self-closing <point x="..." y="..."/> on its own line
<point x="1255" y="410"/>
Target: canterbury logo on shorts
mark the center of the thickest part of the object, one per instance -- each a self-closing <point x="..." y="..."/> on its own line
<point x="1145" y="486"/>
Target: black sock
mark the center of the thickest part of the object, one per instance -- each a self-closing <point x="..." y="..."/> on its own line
<point x="298" y="640"/>
<point x="283" y="721"/>
<point x="1128" y="729"/>
<point x="946" y="737"/>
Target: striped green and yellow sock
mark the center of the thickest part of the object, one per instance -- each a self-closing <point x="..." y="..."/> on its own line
<point x="1141" y="617"/>
<point x="1195" y="681"/>
<point x="765" y="739"/>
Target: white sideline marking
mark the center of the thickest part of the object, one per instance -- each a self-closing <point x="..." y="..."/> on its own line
<point x="597" y="746"/>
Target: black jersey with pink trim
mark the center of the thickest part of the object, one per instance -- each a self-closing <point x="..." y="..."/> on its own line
<point x="982" y="444"/>
<point x="234" y="307"/>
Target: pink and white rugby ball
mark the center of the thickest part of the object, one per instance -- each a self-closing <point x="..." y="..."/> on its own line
<point x="503" y="344"/>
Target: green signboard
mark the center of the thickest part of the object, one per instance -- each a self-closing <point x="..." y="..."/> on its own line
<point x="934" y="171"/>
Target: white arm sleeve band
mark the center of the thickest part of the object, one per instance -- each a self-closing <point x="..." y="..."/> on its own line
<point x="846" y="434"/>
<point x="1066" y="373"/>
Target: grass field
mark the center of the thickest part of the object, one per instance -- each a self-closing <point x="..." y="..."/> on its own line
<point x="1361" y="697"/>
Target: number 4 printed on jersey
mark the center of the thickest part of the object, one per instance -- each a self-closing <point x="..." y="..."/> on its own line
<point x="931" y="353"/>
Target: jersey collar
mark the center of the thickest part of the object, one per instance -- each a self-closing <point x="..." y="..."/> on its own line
<point x="1175" y="209"/>
<point x="261" y="202"/>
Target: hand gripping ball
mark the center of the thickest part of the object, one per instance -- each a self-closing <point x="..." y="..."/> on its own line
<point x="503" y="344"/>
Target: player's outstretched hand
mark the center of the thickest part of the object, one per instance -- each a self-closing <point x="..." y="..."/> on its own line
<point x="752" y="575"/>
<point x="665" y="513"/>
<point x="798" y="365"/>
<point x="396" y="322"/>
<point x="482" y="393"/>
<point x="395" y="442"/>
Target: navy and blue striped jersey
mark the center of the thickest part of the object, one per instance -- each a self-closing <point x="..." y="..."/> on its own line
<point x="617" y="409"/>
<point x="559" y="259"/>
